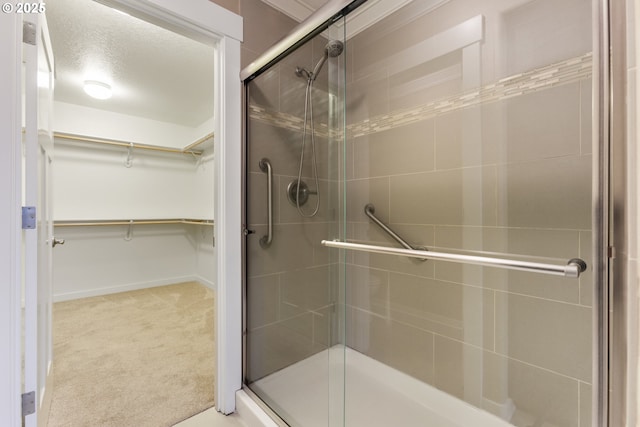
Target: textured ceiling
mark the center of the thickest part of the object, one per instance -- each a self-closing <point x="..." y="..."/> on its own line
<point x="154" y="72"/>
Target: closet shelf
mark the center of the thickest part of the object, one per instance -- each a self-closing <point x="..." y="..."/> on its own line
<point x="133" y="222"/>
<point x="186" y="150"/>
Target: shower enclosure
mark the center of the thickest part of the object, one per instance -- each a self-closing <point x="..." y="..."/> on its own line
<point x="418" y="217"/>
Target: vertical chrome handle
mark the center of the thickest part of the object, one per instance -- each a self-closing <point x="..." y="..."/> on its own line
<point x="265" y="166"/>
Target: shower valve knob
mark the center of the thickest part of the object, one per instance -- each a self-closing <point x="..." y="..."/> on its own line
<point x="246" y="231"/>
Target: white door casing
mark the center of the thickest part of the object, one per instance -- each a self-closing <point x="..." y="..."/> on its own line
<point x="10" y="218"/>
<point x="204" y="19"/>
<point x="38" y="156"/>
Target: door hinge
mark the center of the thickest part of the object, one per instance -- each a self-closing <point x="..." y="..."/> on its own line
<point x="28" y="403"/>
<point x="28" y="217"/>
<point x="29" y="33"/>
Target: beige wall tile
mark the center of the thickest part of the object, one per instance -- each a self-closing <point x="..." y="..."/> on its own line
<point x="533" y="284"/>
<point x="399" y="150"/>
<point x="435" y="79"/>
<point x="280" y="146"/>
<point x="279" y="345"/>
<point x="540" y="396"/>
<point x="292" y="87"/>
<point x="305" y="290"/>
<point x="316" y="233"/>
<point x="525" y="244"/>
<point x="410" y="25"/>
<point x="361" y="192"/>
<point x="247" y="56"/>
<point x="369" y="334"/>
<point x="368" y="289"/>
<point x="323" y="328"/>
<point x="463" y="196"/>
<point x="553" y="335"/>
<point x="555" y="246"/>
<point x="411" y="351"/>
<point x="280" y="257"/>
<point x="458" y="369"/>
<point x="393" y="263"/>
<point x="545" y="31"/>
<point x="520" y="241"/>
<point x="417" y="235"/>
<point x="456" y="311"/>
<point x="264" y="90"/>
<point x="553" y="193"/>
<point x="471" y="137"/>
<point x="543" y="124"/>
<point x="585" y="405"/>
<point x="263" y="296"/>
<point x="232" y="5"/>
<point x="368" y="97"/>
<point x="263" y="25"/>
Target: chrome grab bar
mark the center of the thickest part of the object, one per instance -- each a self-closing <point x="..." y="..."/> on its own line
<point x="265" y="166"/>
<point x="369" y="211"/>
<point x="573" y="268"/>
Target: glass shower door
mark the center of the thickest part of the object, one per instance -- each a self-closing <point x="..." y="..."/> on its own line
<point x="418" y="219"/>
<point x="469" y="133"/>
<point x="294" y="348"/>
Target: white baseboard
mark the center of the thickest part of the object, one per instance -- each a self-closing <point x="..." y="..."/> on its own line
<point x="208" y="283"/>
<point x="129" y="287"/>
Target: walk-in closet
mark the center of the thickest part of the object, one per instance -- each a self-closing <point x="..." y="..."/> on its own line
<point x="133" y="205"/>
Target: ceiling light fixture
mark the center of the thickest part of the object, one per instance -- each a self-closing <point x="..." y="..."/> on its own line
<point x="96" y="89"/>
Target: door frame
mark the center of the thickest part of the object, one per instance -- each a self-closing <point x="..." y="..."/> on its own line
<point x="202" y="20"/>
<point x="10" y="218"/>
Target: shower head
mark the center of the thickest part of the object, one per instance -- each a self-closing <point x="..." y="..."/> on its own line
<point x="334" y="48"/>
<point x="331" y="50"/>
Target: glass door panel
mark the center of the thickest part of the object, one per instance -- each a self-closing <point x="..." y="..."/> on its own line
<point x="469" y="132"/>
<point x="294" y="285"/>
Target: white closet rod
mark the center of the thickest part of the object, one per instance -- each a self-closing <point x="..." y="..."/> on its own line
<point x="132" y="222"/>
<point x="187" y="150"/>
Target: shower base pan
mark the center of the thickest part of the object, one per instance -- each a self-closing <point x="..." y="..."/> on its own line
<point x="375" y="395"/>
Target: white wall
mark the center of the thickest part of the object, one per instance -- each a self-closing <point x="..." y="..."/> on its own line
<point x="98" y="260"/>
<point x="91" y="182"/>
<point x="75" y="119"/>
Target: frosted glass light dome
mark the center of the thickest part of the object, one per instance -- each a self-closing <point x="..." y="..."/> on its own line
<point x="98" y="90"/>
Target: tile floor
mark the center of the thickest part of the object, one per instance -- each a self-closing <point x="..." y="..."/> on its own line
<point x="212" y="418"/>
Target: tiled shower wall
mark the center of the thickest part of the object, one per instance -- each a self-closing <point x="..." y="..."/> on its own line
<point x="486" y="148"/>
<point x="290" y="283"/>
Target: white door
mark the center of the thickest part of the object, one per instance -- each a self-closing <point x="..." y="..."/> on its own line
<point x="39" y="241"/>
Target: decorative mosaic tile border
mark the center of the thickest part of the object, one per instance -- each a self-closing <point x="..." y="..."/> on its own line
<point x="560" y="73"/>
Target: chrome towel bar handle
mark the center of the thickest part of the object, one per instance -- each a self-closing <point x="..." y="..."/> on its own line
<point x="573" y="268"/>
<point x="265" y="166"/>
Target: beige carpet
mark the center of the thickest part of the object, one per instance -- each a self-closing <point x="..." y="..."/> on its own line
<point x="141" y="358"/>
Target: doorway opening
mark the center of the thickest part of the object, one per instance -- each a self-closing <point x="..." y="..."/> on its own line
<point x="133" y="201"/>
